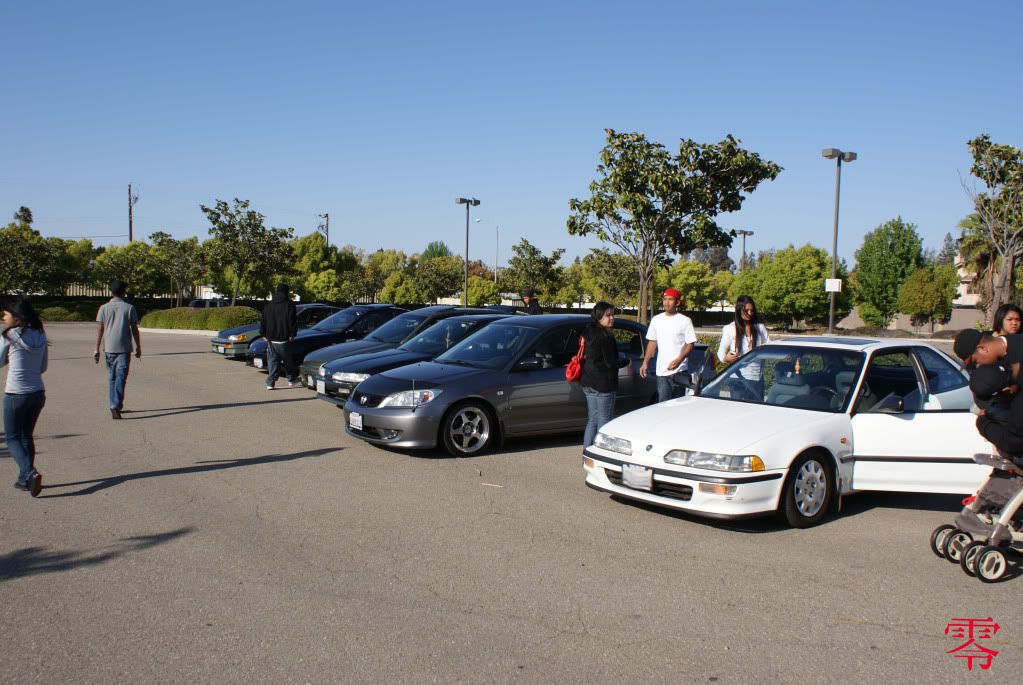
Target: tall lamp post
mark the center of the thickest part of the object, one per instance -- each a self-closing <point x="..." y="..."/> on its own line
<point x="497" y="250"/>
<point x="742" y="259"/>
<point x="839" y="157"/>
<point x="468" y="202"/>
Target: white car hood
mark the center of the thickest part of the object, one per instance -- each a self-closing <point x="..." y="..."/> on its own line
<point x="708" y="425"/>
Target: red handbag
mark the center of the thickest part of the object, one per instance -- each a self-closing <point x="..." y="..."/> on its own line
<point x="575" y="365"/>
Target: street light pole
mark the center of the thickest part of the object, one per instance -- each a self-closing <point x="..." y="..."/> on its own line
<point x="742" y="259"/>
<point x="468" y="202"/>
<point x="839" y="157"/>
<point x="497" y="250"/>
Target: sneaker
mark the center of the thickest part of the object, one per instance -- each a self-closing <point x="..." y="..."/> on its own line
<point x="292" y="384"/>
<point x="269" y="387"/>
<point x="115" y="413"/>
<point x="35" y="484"/>
<point x="18" y="485"/>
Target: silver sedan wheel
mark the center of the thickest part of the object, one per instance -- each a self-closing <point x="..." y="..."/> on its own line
<point x="810" y="489"/>
<point x="469" y="429"/>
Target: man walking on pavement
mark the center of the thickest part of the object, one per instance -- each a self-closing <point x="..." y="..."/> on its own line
<point x="279" y="327"/>
<point x="117" y="324"/>
<point x="670" y="336"/>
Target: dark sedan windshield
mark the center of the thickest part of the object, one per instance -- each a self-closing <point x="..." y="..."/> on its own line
<point x="439" y="337"/>
<point x="339" y="321"/>
<point x="491" y="348"/>
<point x="398" y="328"/>
<point x="817" y="378"/>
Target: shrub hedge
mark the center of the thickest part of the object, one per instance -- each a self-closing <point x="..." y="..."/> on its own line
<point x="64" y="314"/>
<point x="213" y="319"/>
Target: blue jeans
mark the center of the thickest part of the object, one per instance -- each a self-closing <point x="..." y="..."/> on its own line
<point x="599" y="408"/>
<point x="117" y="376"/>
<point x="20" y="415"/>
<point x="668" y="388"/>
<point x="278" y="357"/>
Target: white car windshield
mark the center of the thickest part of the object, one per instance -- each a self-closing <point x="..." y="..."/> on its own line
<point x="814" y="378"/>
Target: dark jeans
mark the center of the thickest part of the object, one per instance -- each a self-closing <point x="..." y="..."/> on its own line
<point x="117" y="377"/>
<point x="599" y="408"/>
<point x="20" y="415"/>
<point x="278" y="355"/>
<point x="668" y="387"/>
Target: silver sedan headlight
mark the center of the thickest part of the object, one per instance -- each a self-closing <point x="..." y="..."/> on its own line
<point x="349" y="377"/>
<point x="613" y="444"/>
<point x="410" y="398"/>
<point x="236" y="338"/>
<point x="716" y="462"/>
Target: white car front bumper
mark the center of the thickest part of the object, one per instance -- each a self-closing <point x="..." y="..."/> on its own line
<point x="754" y="494"/>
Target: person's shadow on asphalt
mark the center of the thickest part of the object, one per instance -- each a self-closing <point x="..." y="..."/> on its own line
<point x="200" y="467"/>
<point x="172" y="411"/>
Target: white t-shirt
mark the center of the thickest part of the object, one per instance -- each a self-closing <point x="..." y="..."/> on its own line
<point x="743" y="348"/>
<point x="672" y="333"/>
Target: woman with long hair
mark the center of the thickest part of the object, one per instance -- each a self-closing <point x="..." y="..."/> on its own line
<point x="1008" y="319"/>
<point x="742" y="336"/>
<point x="23" y="348"/>
<point x="599" y="377"/>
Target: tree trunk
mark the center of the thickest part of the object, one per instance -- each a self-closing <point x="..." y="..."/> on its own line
<point x="641" y="310"/>
<point x="237" y="287"/>
<point x="1001" y="290"/>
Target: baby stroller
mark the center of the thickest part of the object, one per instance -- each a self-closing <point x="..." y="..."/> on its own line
<point x="990" y="524"/>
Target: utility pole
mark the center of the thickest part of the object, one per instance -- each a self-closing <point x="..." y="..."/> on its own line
<point x="325" y="227"/>
<point x="132" y="199"/>
<point x="497" y="250"/>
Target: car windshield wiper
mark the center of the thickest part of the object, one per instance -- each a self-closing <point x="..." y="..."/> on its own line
<point x="459" y="362"/>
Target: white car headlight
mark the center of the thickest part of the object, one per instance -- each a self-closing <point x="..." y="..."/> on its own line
<point x="613" y="444"/>
<point x="349" y="377"/>
<point x="410" y="398"/>
<point x="715" y="462"/>
<point x="236" y="338"/>
<point x="322" y="371"/>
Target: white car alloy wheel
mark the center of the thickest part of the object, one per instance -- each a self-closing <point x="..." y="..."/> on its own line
<point x="467" y="430"/>
<point x="807" y="491"/>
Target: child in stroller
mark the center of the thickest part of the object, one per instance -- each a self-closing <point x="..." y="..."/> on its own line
<point x="991" y="520"/>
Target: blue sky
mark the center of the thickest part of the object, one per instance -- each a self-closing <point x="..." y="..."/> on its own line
<point x="382" y="114"/>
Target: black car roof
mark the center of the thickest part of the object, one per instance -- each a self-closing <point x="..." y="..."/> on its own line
<point x="548" y="320"/>
<point x="315" y="304"/>
<point x="477" y="317"/>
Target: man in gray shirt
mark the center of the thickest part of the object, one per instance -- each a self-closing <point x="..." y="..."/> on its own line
<point x="117" y="323"/>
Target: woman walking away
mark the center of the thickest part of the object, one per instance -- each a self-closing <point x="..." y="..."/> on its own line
<point x="743" y="336"/>
<point x="1008" y="319"/>
<point x="23" y="347"/>
<point x="599" y="378"/>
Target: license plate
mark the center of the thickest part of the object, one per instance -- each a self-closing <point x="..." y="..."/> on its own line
<point x="637" y="477"/>
<point x="309" y="381"/>
<point x="220" y="349"/>
<point x="257" y="362"/>
<point x="355" y="421"/>
<point x="321" y="387"/>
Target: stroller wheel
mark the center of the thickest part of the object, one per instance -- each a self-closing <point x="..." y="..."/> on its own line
<point x="990" y="564"/>
<point x="969" y="557"/>
<point x="938" y="539"/>
<point x="954" y="544"/>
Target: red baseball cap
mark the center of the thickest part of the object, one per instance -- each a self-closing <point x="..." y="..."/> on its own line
<point x="671" y="292"/>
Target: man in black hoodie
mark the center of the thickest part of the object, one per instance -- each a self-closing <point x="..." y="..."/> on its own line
<point x="279" y="327"/>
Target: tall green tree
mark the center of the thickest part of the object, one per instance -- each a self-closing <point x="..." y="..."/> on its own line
<point x="999" y="208"/>
<point x="789" y="284"/>
<point x="888" y="255"/>
<point x="948" y="252"/>
<point x="437" y="248"/>
<point x="716" y="258"/>
<point x="482" y="291"/>
<point x="650" y="203"/>
<point x="693" y="279"/>
<point x="240" y="241"/>
<point x="381" y="265"/>
<point x="26" y="260"/>
<point x="23" y="216"/>
<point x="610" y="276"/>
<point x="927" y="294"/>
<point x="136" y="263"/>
<point x="530" y="268"/>
<point x="182" y="262"/>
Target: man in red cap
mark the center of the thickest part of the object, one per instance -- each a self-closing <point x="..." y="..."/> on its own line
<point x="670" y="336"/>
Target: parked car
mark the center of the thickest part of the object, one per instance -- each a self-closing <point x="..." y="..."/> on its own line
<point x="506" y="380"/>
<point x="213" y="302"/>
<point x="336" y="379"/>
<point x="235" y="342"/>
<point x="396" y="331"/>
<point x="795" y="425"/>
<point x="352" y="323"/>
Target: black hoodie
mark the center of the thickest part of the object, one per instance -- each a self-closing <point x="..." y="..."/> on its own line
<point x="279" y="323"/>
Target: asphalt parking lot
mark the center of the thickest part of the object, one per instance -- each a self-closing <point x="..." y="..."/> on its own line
<point x="223" y="533"/>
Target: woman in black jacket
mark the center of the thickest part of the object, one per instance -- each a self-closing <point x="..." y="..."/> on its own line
<point x="599" y="378"/>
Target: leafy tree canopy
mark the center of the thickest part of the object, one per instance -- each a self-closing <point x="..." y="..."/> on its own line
<point x="692" y="279"/>
<point x="928" y="293"/>
<point x="530" y="268"/>
<point x="888" y="255"/>
<point x="437" y="248"/>
<point x="610" y="276"/>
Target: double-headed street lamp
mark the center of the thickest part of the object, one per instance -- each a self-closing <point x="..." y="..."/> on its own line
<point x="742" y="259"/>
<point x="468" y="202"/>
<point x="839" y="157"/>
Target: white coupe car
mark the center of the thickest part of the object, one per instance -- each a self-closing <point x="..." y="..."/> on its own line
<point x="793" y="426"/>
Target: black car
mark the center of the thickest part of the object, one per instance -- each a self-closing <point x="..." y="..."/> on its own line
<point x="336" y="379"/>
<point x="353" y="323"/>
<point x="387" y="337"/>
<point x="234" y="342"/>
